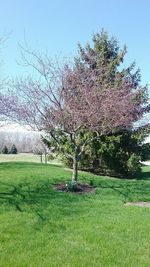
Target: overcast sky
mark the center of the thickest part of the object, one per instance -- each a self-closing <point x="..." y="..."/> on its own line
<point x="57" y="26"/>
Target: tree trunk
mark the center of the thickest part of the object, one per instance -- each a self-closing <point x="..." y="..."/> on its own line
<point x="75" y="170"/>
<point x="45" y="157"/>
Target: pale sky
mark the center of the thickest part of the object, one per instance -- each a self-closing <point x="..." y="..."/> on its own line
<point x="57" y="26"/>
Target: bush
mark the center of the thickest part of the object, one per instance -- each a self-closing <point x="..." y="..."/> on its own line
<point x="145" y="152"/>
<point x="134" y="164"/>
<point x="13" y="150"/>
<point x="5" y="150"/>
<point x="114" y="155"/>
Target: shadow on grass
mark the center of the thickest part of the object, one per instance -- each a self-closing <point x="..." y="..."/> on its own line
<point x="129" y="193"/>
<point x="39" y="199"/>
<point x="126" y="189"/>
<point x="129" y="190"/>
<point x="145" y="175"/>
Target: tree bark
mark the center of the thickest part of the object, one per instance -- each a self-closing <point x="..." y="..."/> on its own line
<point x="41" y="157"/>
<point x="45" y="157"/>
<point x="75" y="170"/>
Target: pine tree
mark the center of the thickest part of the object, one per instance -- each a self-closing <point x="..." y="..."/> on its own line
<point x="13" y="150"/>
<point x="5" y="150"/>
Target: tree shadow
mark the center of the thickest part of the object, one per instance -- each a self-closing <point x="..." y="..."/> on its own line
<point x="145" y="175"/>
<point x="129" y="191"/>
<point x="40" y="199"/>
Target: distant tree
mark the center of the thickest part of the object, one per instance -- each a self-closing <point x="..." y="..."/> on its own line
<point x="41" y="149"/>
<point x="13" y="150"/>
<point x="5" y="150"/>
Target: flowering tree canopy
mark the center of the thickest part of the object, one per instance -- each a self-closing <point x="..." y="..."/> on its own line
<point x="93" y="95"/>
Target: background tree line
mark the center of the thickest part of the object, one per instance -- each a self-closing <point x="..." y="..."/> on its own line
<point x="13" y="150"/>
<point x="26" y="142"/>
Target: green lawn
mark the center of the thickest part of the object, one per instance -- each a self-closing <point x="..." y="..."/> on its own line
<point x="40" y="227"/>
<point x="25" y="157"/>
<point x="20" y="157"/>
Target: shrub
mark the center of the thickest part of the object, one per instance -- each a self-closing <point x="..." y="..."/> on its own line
<point x="145" y="152"/>
<point x="134" y="164"/>
<point x="114" y="155"/>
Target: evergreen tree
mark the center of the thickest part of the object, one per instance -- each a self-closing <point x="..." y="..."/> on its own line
<point x="5" y="150"/>
<point x="13" y="150"/>
<point x="81" y="103"/>
<point x="113" y="153"/>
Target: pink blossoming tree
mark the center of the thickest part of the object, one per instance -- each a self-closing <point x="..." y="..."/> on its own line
<point x="68" y="102"/>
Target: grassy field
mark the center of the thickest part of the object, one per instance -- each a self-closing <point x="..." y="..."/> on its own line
<point x="40" y="227"/>
<point x="25" y="157"/>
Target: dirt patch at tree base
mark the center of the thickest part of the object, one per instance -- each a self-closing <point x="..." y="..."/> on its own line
<point x="138" y="204"/>
<point x="79" y="188"/>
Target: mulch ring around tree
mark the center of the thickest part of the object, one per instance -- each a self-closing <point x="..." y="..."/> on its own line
<point x="79" y="189"/>
<point x="138" y="204"/>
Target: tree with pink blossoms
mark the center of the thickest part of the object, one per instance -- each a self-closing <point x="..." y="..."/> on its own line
<point x="74" y="105"/>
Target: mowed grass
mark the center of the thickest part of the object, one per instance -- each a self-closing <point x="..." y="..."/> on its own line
<point x="41" y="227"/>
<point x="25" y="157"/>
